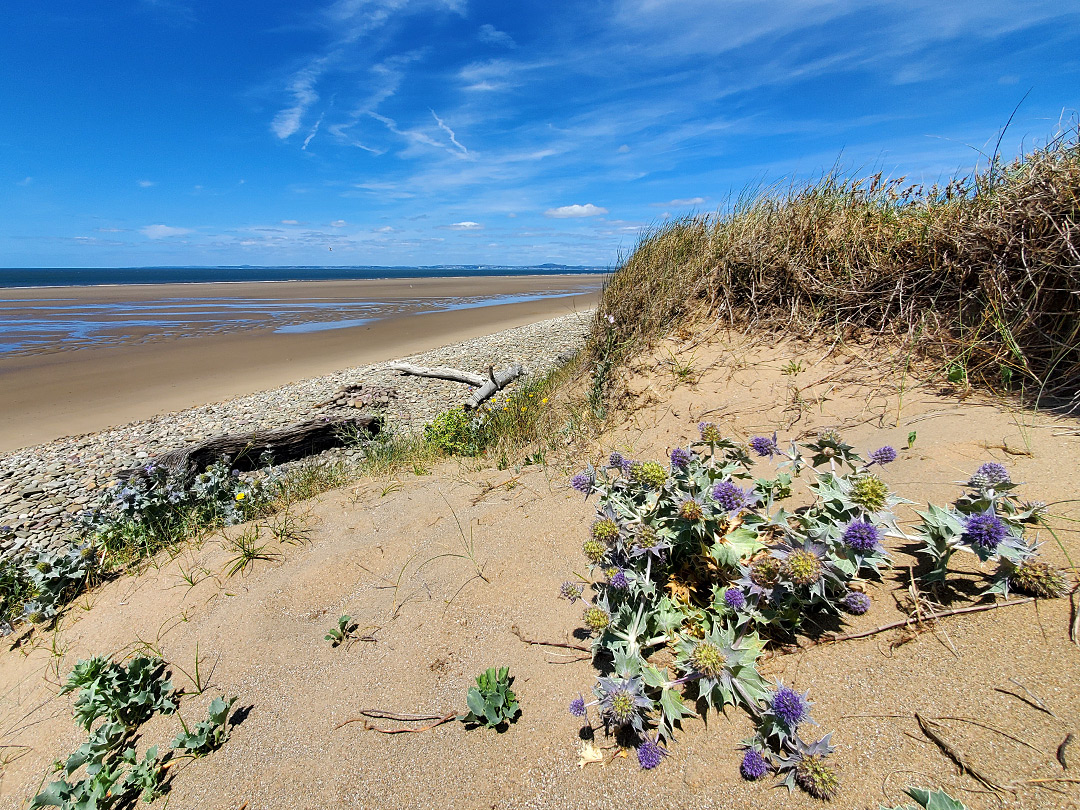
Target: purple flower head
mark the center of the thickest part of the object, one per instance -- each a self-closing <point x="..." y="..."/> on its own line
<point x="710" y="433"/>
<point x="883" y="455"/>
<point x="571" y="591"/>
<point x="619" y="580"/>
<point x="583" y="481"/>
<point x="989" y="475"/>
<point x="734" y="599"/>
<point x="985" y="530"/>
<point x="789" y="707"/>
<point x="730" y="497"/>
<point x="753" y="765"/>
<point x="764" y="446"/>
<point x="649" y="755"/>
<point x="855" y="603"/>
<point x="577" y="706"/>
<point x="862" y="536"/>
<point x="680" y="457"/>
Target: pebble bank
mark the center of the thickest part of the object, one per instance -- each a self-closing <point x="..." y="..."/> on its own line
<point x="42" y="488"/>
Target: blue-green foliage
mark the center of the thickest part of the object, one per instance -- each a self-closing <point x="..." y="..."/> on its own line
<point x="491" y="702"/>
<point x="152" y="510"/>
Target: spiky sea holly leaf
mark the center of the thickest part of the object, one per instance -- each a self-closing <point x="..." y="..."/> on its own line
<point x="673" y="709"/>
<point x="653" y="676"/>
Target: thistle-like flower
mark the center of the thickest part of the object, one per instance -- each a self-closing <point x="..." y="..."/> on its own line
<point x="583" y="481"/>
<point x="732" y="498"/>
<point x="764" y="446"/>
<point x="690" y="510"/>
<point x="596" y="619"/>
<point x="622" y="702"/>
<point x="802" y="566"/>
<point x="619" y="580"/>
<point x="862" y="536"/>
<point x="594" y="550"/>
<point x="754" y="765"/>
<point x="571" y="591"/>
<point x="855" y="603"/>
<point x="789" y="707"/>
<point x="648" y="473"/>
<point x="680" y="458"/>
<point x="646" y="540"/>
<point x="734" y="599"/>
<point x="1036" y="578"/>
<point x="710" y="433"/>
<point x="765" y="572"/>
<point x="577" y="706"/>
<point x="883" y="455"/>
<point x="989" y="475"/>
<point x="650" y="754"/>
<point x="605" y="530"/>
<point x="817" y="777"/>
<point x="869" y="492"/>
<point x="985" y="530"/>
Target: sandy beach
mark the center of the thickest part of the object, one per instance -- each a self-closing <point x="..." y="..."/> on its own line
<point x="71" y="388"/>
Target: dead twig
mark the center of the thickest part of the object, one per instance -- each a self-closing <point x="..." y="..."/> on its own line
<point x="926" y="618"/>
<point x="964" y="764"/>
<point x="988" y="728"/>
<point x="384" y="715"/>
<point x="517" y="632"/>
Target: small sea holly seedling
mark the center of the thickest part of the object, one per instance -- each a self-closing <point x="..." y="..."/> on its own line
<point x="208" y="735"/>
<point x="491" y="702"/>
<point x="343" y="632"/>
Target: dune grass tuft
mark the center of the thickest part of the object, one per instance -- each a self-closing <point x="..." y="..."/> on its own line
<point x="982" y="274"/>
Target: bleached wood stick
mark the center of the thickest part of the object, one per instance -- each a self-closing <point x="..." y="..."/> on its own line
<point x="494" y="381"/>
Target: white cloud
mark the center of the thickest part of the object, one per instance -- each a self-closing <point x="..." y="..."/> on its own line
<point x="311" y="134"/>
<point x="338" y="223"/>
<point x="493" y="36"/>
<point x="449" y="132"/>
<point x="290" y="222"/>
<point x="302" y="87"/>
<point x="25" y="181"/>
<point x="384" y="229"/>
<point x="690" y="201"/>
<point x="161" y="231"/>
<point x="575" y="211"/>
<point x="146" y="183"/>
<point x="465" y="226"/>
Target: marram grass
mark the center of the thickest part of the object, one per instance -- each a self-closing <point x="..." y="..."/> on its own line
<point x="980" y="275"/>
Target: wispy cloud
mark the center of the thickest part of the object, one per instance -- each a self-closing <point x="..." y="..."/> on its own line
<point x="146" y="183"/>
<point x="679" y="203"/>
<point x="493" y="36"/>
<point x="311" y="134"/>
<point x="449" y="132"/>
<point x="162" y="231"/>
<point x="467" y="225"/>
<point x="338" y="223"/>
<point x="575" y="211"/>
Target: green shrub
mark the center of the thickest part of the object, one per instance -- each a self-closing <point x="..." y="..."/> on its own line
<point x="456" y="433"/>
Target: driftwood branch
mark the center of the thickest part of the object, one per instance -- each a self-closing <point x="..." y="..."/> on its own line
<point x="384" y="715"/>
<point x="486" y="385"/>
<point x="242" y="450"/>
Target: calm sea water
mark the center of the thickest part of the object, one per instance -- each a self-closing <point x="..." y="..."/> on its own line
<point x="91" y="276"/>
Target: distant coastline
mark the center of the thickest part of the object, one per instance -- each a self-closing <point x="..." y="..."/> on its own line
<point x="29" y="277"/>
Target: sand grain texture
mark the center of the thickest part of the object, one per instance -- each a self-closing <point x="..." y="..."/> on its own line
<point x="264" y="630"/>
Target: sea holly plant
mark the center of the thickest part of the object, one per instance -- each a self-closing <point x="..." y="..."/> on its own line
<point x="208" y="735"/>
<point x="491" y="702"/>
<point x="119" y="698"/>
<point x="988" y="520"/>
<point x="696" y="565"/>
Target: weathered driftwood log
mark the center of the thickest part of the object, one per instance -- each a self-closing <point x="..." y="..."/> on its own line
<point x="487" y="385"/>
<point x="242" y="451"/>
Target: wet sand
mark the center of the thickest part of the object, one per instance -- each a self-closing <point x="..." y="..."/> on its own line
<point x="63" y="391"/>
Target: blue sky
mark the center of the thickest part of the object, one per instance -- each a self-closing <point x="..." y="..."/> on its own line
<point x="391" y="132"/>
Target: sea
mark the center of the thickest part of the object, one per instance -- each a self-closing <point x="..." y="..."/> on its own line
<point x="42" y="317"/>
<point x="94" y="276"/>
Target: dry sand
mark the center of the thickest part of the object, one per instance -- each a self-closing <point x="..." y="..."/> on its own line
<point x="374" y="552"/>
<point x="70" y="391"/>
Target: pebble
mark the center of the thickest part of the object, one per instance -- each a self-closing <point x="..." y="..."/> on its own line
<point x="42" y="488"/>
